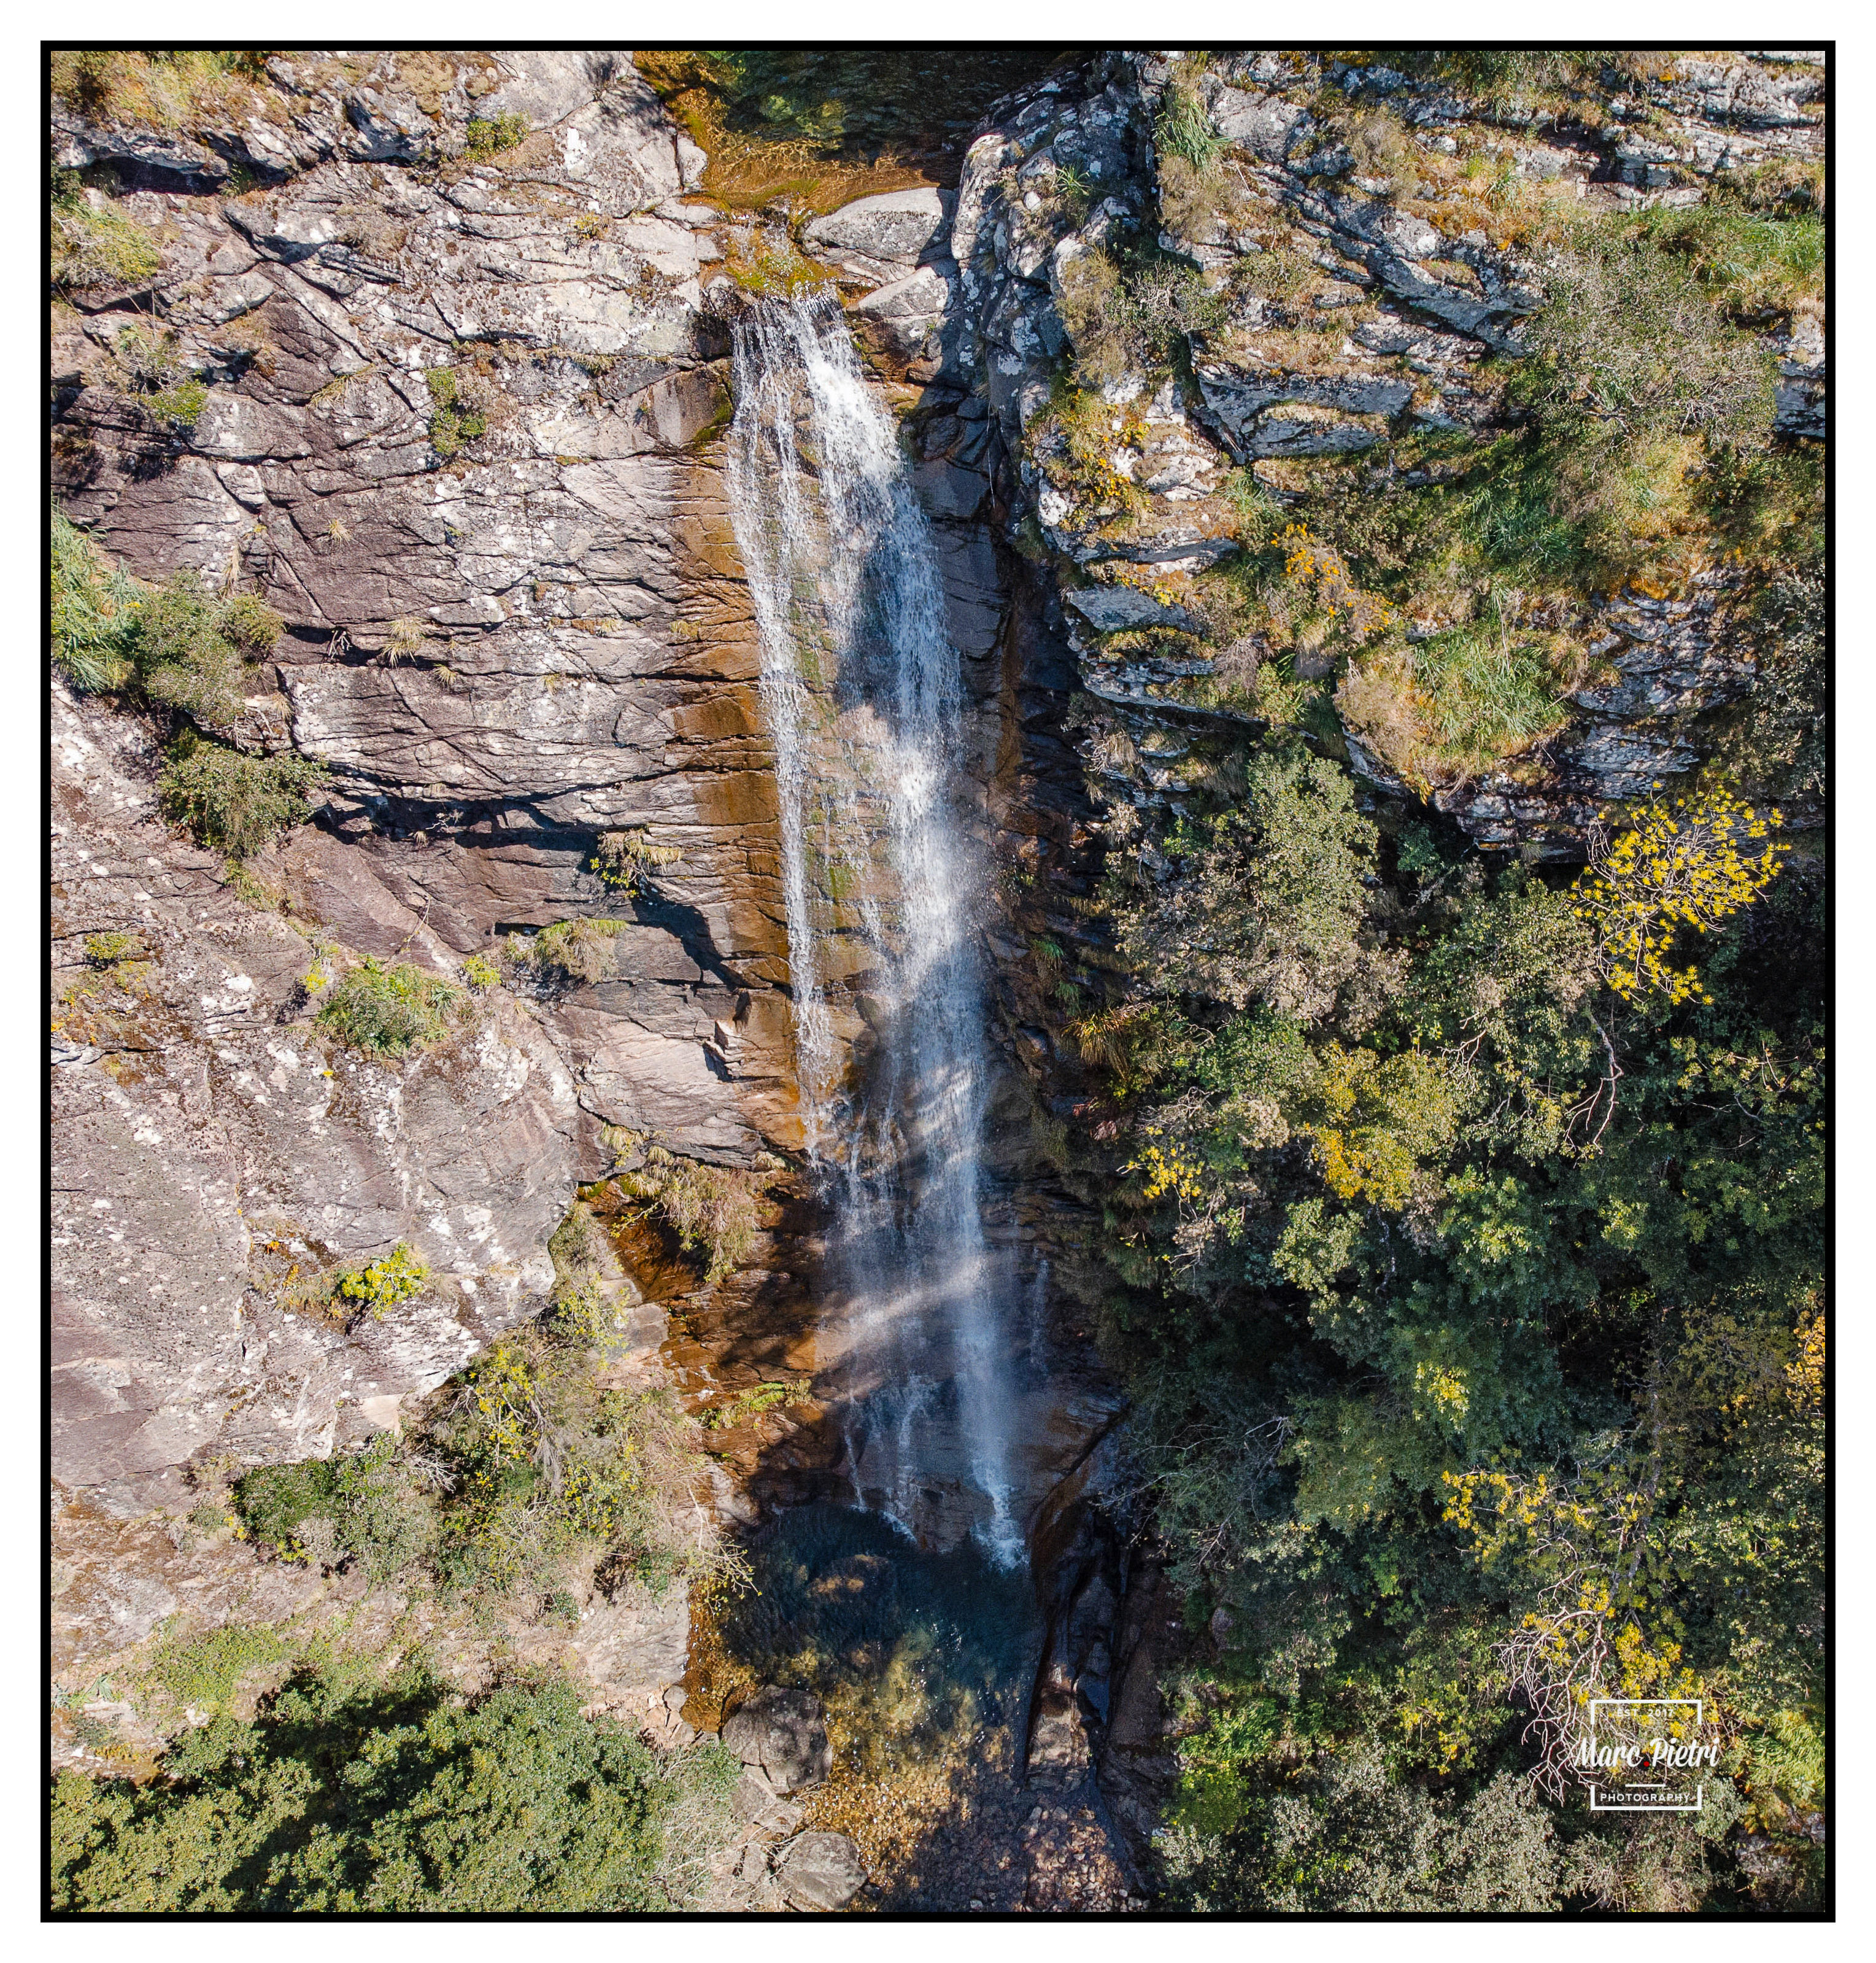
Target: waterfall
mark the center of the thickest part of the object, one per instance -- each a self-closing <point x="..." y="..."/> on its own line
<point x="862" y="691"/>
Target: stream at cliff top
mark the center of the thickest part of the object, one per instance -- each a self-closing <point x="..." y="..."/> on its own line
<point x="861" y="690"/>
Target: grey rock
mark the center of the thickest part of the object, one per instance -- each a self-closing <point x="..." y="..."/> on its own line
<point x="1241" y="403"/>
<point x="1264" y="125"/>
<point x="820" y="1871"/>
<point x="752" y="1796"/>
<point x="160" y="1349"/>
<point x="1273" y="435"/>
<point x="633" y="1647"/>
<point x="781" y="1818"/>
<point x="911" y="318"/>
<point x="946" y="491"/>
<point x="1110" y="608"/>
<point x="890" y="231"/>
<point x="547" y="85"/>
<point x="782" y="1732"/>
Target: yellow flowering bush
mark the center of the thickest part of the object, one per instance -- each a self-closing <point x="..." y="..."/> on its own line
<point x="394" y="1278"/>
<point x="1377" y="1119"/>
<point x="500" y="1383"/>
<point x="1689" y="865"/>
<point x="1587" y="1544"/>
<point x="1311" y="562"/>
<point x="1167" y="1169"/>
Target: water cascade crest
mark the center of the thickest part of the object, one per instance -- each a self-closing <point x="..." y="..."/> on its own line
<point x="862" y="691"/>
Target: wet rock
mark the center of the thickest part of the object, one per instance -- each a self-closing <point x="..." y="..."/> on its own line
<point x="820" y="1871"/>
<point x="782" y="1733"/>
<point x="1059" y="1753"/>
<point x="947" y="491"/>
<point x="911" y="322"/>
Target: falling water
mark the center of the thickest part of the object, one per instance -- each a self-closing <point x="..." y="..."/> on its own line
<point x="861" y="687"/>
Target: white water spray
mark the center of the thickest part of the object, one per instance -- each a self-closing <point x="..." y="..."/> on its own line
<point x="861" y="688"/>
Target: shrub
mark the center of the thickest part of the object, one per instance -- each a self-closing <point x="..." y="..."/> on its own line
<point x="1355" y="1842"/>
<point x="544" y="1465"/>
<point x="104" y="950"/>
<point x="1752" y="262"/>
<point x="363" y="1505"/>
<point x="577" y="1247"/>
<point x="272" y="1500"/>
<point x="486" y="136"/>
<point x="145" y="356"/>
<point x="480" y="972"/>
<point x="203" y="1669"/>
<point x="177" y="645"/>
<point x="191" y="647"/>
<point x="1078" y="442"/>
<point x="1629" y="345"/>
<point x="1376" y="1121"/>
<point x="1133" y="312"/>
<point x="177" y="406"/>
<point x="624" y="859"/>
<point x="1182" y="128"/>
<point x="231" y="802"/>
<point x="460" y="413"/>
<point x="396" y="1277"/>
<point x="583" y="949"/>
<point x="150" y="364"/>
<point x="752" y="1403"/>
<point x="1782" y="741"/>
<point x="390" y="1011"/>
<point x="1269" y="903"/>
<point x="1326" y="590"/>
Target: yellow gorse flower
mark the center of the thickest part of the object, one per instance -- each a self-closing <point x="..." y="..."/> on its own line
<point x="1310" y="562"/>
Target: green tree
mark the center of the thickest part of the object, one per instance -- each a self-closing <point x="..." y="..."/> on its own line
<point x="395" y="1799"/>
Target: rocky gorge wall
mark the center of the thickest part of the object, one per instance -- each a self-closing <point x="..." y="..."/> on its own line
<point x="462" y="427"/>
<point x="515" y="626"/>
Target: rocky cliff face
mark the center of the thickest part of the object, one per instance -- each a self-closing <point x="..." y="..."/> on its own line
<point x="1409" y="287"/>
<point x="504" y="646"/>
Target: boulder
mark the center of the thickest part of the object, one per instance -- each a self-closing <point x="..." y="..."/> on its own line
<point x="782" y="1731"/>
<point x="820" y="1871"/>
<point x="895" y="227"/>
